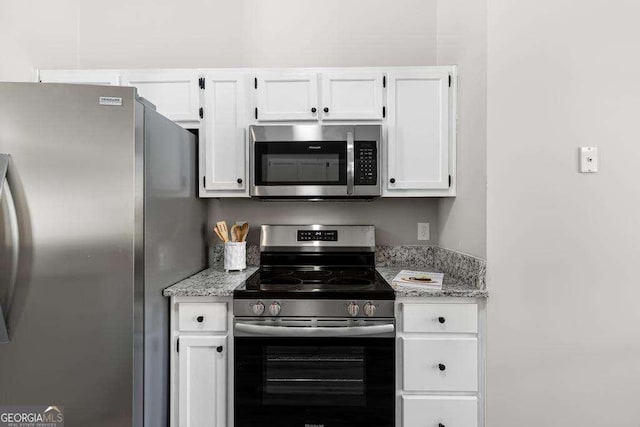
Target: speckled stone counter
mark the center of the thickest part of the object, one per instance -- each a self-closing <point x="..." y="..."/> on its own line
<point x="212" y="282"/>
<point x="451" y="287"/>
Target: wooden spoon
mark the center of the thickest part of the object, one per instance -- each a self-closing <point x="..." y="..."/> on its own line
<point x="244" y="230"/>
<point x="235" y="233"/>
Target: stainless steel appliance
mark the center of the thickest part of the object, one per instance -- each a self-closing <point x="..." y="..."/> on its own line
<point x="315" y="161"/>
<point x="98" y="213"/>
<point x="314" y="332"/>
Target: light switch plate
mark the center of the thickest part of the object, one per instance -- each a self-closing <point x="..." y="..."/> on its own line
<point x="423" y="231"/>
<point x="588" y="159"/>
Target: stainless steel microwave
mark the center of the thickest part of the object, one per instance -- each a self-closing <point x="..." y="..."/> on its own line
<point x="315" y="161"/>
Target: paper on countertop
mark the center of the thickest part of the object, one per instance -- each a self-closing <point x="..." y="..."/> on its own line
<point x="419" y="279"/>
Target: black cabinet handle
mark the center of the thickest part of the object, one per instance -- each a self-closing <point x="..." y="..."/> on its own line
<point x="200" y="319"/>
<point x="441" y="319"/>
<point x="239" y="180"/>
<point x="219" y="349"/>
<point x="441" y="366"/>
<point x="313" y="109"/>
<point x="326" y="109"/>
<point x="440" y="425"/>
<point x="392" y="180"/>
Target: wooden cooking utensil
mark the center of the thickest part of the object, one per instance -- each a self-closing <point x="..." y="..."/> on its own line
<point x="218" y="233"/>
<point x="244" y="230"/>
<point x="235" y="233"/>
<point x="222" y="227"/>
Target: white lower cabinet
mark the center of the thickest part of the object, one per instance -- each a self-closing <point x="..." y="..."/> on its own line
<point x="439" y="364"/>
<point x="440" y="411"/>
<point x="202" y="381"/>
<point x="201" y="362"/>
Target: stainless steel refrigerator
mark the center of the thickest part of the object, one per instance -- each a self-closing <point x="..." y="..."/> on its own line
<point x="98" y="213"/>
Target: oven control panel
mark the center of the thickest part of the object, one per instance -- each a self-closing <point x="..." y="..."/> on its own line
<point x="317" y="235"/>
<point x="366" y="163"/>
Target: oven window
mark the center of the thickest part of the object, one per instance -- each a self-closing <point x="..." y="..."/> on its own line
<point x="314" y="376"/>
<point x="300" y="163"/>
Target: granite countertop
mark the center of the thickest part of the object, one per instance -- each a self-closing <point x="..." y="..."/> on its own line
<point x="451" y="286"/>
<point x="216" y="282"/>
<point x="212" y="282"/>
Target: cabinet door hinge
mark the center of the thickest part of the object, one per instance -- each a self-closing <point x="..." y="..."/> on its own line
<point x="201" y="112"/>
<point x="255" y="82"/>
<point x="449" y="80"/>
<point x="201" y="82"/>
<point x="178" y="345"/>
<point x="204" y="181"/>
<point x="384" y="111"/>
<point x="449" y="180"/>
<point x="256" y="112"/>
<point x="384" y="81"/>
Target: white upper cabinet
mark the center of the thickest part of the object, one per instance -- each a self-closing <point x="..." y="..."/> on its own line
<point x="420" y="133"/>
<point x="87" y="77"/>
<point x="175" y="93"/>
<point x="352" y="96"/>
<point x="286" y="96"/>
<point x="223" y="141"/>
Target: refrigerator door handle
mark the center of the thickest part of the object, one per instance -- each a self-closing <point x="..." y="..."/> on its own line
<point x="15" y="242"/>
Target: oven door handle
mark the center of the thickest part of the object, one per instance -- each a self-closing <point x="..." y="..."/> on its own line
<point x="295" y="331"/>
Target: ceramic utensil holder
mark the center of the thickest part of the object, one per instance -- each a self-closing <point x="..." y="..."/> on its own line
<point x="235" y="256"/>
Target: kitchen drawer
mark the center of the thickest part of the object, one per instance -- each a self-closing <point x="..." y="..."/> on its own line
<point x="433" y="411"/>
<point x="461" y="318"/>
<point x="210" y="317"/>
<point x="440" y="364"/>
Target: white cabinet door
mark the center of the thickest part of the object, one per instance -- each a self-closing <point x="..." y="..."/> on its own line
<point x="202" y="381"/>
<point x="440" y="364"/>
<point x="87" y="77"/>
<point x="352" y="96"/>
<point x="175" y="93"/>
<point x="286" y="96"/>
<point x="223" y="143"/>
<point x="434" y="411"/>
<point x="419" y="131"/>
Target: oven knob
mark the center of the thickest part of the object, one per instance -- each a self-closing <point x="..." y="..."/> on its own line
<point x="369" y="309"/>
<point x="353" y="309"/>
<point x="274" y="308"/>
<point x="257" y="308"/>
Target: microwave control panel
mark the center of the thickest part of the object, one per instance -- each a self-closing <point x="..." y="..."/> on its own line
<point x="366" y="163"/>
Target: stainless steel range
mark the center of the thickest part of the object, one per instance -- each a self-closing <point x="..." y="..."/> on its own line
<point x="314" y="332"/>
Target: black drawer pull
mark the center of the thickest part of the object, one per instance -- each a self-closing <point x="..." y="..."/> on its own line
<point x="326" y="109"/>
<point x="441" y="319"/>
<point x="313" y="109"/>
<point x="440" y="425"/>
<point x="200" y="319"/>
<point x="441" y="366"/>
<point x="219" y="349"/>
<point x="392" y="180"/>
<point x="239" y="180"/>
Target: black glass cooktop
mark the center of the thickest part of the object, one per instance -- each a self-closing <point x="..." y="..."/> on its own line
<point x="316" y="282"/>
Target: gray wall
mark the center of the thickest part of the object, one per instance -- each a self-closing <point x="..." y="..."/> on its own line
<point x="395" y="220"/>
<point x="563" y="247"/>
<point x="277" y="33"/>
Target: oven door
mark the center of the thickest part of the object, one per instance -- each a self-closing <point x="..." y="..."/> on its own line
<point x="304" y="378"/>
<point x="300" y="169"/>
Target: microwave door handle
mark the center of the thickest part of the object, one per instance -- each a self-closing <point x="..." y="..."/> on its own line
<point x="293" y="331"/>
<point x="350" y="163"/>
<point x="15" y="244"/>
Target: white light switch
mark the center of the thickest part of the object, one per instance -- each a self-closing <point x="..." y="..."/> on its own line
<point x="423" y="231"/>
<point x="588" y="159"/>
